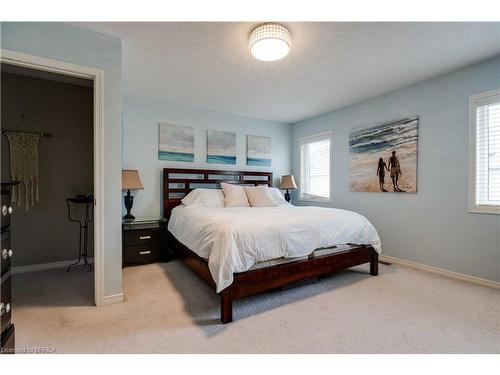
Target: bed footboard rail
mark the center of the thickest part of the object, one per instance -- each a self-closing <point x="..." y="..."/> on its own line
<point x="266" y="279"/>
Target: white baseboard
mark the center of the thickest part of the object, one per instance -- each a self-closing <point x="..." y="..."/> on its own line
<point x="114" y="298"/>
<point x="45" y="266"/>
<point x="440" y="271"/>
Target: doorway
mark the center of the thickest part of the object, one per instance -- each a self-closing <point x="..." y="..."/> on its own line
<point x="60" y="74"/>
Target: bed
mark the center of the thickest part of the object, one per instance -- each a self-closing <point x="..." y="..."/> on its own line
<point x="244" y="251"/>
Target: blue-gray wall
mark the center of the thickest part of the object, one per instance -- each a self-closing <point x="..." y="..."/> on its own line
<point x="74" y="45"/>
<point x="140" y="143"/>
<point x="433" y="226"/>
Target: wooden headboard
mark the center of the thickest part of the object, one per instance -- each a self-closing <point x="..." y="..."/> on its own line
<point x="178" y="182"/>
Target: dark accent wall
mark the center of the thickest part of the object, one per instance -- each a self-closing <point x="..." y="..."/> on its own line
<point x="43" y="234"/>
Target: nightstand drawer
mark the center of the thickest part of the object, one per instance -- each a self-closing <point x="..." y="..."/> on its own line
<point x="142" y="254"/>
<point x="143" y="237"/>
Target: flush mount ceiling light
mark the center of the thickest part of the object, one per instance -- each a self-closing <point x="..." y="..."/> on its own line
<point x="270" y="42"/>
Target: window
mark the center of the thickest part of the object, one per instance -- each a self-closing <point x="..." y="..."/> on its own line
<point x="315" y="155"/>
<point x="485" y="152"/>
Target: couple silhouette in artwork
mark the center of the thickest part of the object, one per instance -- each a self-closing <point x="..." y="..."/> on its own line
<point x="394" y="168"/>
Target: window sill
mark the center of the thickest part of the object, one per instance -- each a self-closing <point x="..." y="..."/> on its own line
<point x="492" y="210"/>
<point x="315" y="200"/>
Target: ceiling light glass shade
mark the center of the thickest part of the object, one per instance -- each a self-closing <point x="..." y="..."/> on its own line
<point x="270" y="42"/>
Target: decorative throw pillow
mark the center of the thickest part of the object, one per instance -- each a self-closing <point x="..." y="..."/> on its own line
<point x="278" y="196"/>
<point x="235" y="196"/>
<point x="260" y="196"/>
<point x="204" y="197"/>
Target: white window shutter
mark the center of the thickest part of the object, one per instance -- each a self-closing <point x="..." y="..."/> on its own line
<point x="488" y="154"/>
<point x="486" y="159"/>
<point x="315" y="154"/>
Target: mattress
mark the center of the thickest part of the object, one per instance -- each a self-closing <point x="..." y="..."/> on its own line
<point x="235" y="239"/>
<point x="314" y="254"/>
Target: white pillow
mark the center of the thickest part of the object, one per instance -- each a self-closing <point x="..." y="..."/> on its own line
<point x="235" y="196"/>
<point x="278" y="196"/>
<point x="260" y="196"/>
<point x="204" y="197"/>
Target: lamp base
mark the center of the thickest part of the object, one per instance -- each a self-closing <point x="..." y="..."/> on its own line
<point x="287" y="196"/>
<point x="129" y="216"/>
<point x="129" y="202"/>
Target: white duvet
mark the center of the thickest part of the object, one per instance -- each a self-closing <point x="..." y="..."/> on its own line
<point x="234" y="239"/>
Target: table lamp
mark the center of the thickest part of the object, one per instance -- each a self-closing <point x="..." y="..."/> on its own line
<point x="287" y="182"/>
<point x="130" y="181"/>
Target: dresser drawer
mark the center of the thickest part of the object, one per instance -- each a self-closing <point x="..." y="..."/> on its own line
<point x="7" y="339"/>
<point x="5" y="301"/>
<point x="142" y="254"/>
<point x="5" y="252"/>
<point x="142" y="237"/>
<point x="5" y="209"/>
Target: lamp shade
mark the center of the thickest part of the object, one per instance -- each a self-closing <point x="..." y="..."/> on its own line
<point x="288" y="182"/>
<point x="131" y="180"/>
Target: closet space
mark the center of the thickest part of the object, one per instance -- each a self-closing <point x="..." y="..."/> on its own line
<point x="47" y="156"/>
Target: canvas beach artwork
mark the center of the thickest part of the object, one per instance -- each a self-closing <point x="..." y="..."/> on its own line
<point x="258" y="151"/>
<point x="175" y="143"/>
<point x="383" y="157"/>
<point x="221" y="147"/>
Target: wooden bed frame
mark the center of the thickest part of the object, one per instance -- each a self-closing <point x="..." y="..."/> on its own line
<point x="177" y="182"/>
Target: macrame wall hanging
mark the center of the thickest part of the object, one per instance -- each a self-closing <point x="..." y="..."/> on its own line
<point x="24" y="167"/>
<point x="23" y="147"/>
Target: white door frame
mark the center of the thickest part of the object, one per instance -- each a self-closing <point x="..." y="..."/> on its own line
<point x="97" y="75"/>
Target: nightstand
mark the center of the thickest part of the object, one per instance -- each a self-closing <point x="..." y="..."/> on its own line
<point x="144" y="241"/>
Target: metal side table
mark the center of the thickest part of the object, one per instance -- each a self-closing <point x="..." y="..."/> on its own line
<point x="88" y="201"/>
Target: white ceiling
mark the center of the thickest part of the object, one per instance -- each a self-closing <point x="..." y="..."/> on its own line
<point x="331" y="64"/>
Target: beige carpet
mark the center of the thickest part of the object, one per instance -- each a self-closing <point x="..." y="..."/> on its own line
<point x="168" y="309"/>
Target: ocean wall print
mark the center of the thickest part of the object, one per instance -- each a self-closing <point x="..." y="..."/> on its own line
<point x="259" y="151"/>
<point x="175" y="143"/>
<point x="221" y="147"/>
<point x="384" y="157"/>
